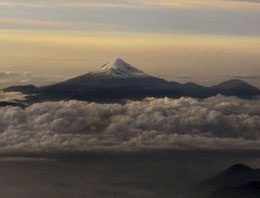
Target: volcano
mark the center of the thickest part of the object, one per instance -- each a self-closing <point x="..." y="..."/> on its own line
<point x="119" y="80"/>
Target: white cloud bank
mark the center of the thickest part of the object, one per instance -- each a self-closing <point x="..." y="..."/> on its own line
<point x="218" y="122"/>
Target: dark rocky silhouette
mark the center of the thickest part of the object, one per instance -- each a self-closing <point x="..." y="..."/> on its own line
<point x="248" y="190"/>
<point x="238" y="181"/>
<point x="13" y="104"/>
<point x="120" y="80"/>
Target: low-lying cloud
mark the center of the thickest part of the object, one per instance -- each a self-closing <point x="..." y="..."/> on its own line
<point x="11" y="96"/>
<point x="9" y="78"/>
<point x="13" y="75"/>
<point x="217" y="122"/>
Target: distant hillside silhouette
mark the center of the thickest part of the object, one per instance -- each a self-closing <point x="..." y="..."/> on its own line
<point x="119" y="80"/>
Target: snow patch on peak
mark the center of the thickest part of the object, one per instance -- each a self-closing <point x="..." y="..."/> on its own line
<point x="120" y="68"/>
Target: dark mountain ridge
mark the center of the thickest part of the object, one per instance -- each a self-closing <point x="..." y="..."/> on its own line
<point x="236" y="175"/>
<point x="238" y="181"/>
<point x="120" y="80"/>
<point x="248" y="190"/>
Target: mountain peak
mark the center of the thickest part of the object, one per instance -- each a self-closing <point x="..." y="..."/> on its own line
<point x="229" y="84"/>
<point x="120" y="68"/>
<point x="239" y="167"/>
<point x="117" y="63"/>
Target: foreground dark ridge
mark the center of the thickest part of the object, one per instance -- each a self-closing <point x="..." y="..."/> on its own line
<point x="120" y="80"/>
<point x="238" y="181"/>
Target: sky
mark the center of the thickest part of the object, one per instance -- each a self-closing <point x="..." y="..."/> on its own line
<point x="206" y="41"/>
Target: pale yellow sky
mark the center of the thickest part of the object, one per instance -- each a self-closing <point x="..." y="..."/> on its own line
<point x="184" y="40"/>
<point x="66" y="54"/>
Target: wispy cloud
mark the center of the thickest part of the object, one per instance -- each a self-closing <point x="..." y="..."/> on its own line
<point x="137" y="3"/>
<point x="11" y="96"/>
<point x="10" y="78"/>
<point x="246" y="77"/>
<point x="22" y="4"/>
<point x="32" y="22"/>
<point x="56" y="24"/>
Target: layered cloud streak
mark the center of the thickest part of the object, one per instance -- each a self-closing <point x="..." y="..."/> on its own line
<point x="185" y="123"/>
<point x="136" y="3"/>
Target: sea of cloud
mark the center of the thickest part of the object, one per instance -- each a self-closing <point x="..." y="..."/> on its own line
<point x="186" y="123"/>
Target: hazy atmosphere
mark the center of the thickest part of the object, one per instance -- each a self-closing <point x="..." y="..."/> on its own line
<point x="130" y="98"/>
<point x="206" y="41"/>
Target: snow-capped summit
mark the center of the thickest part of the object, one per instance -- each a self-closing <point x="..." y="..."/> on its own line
<point x="119" y="80"/>
<point x="121" y="69"/>
<point x="115" y="74"/>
